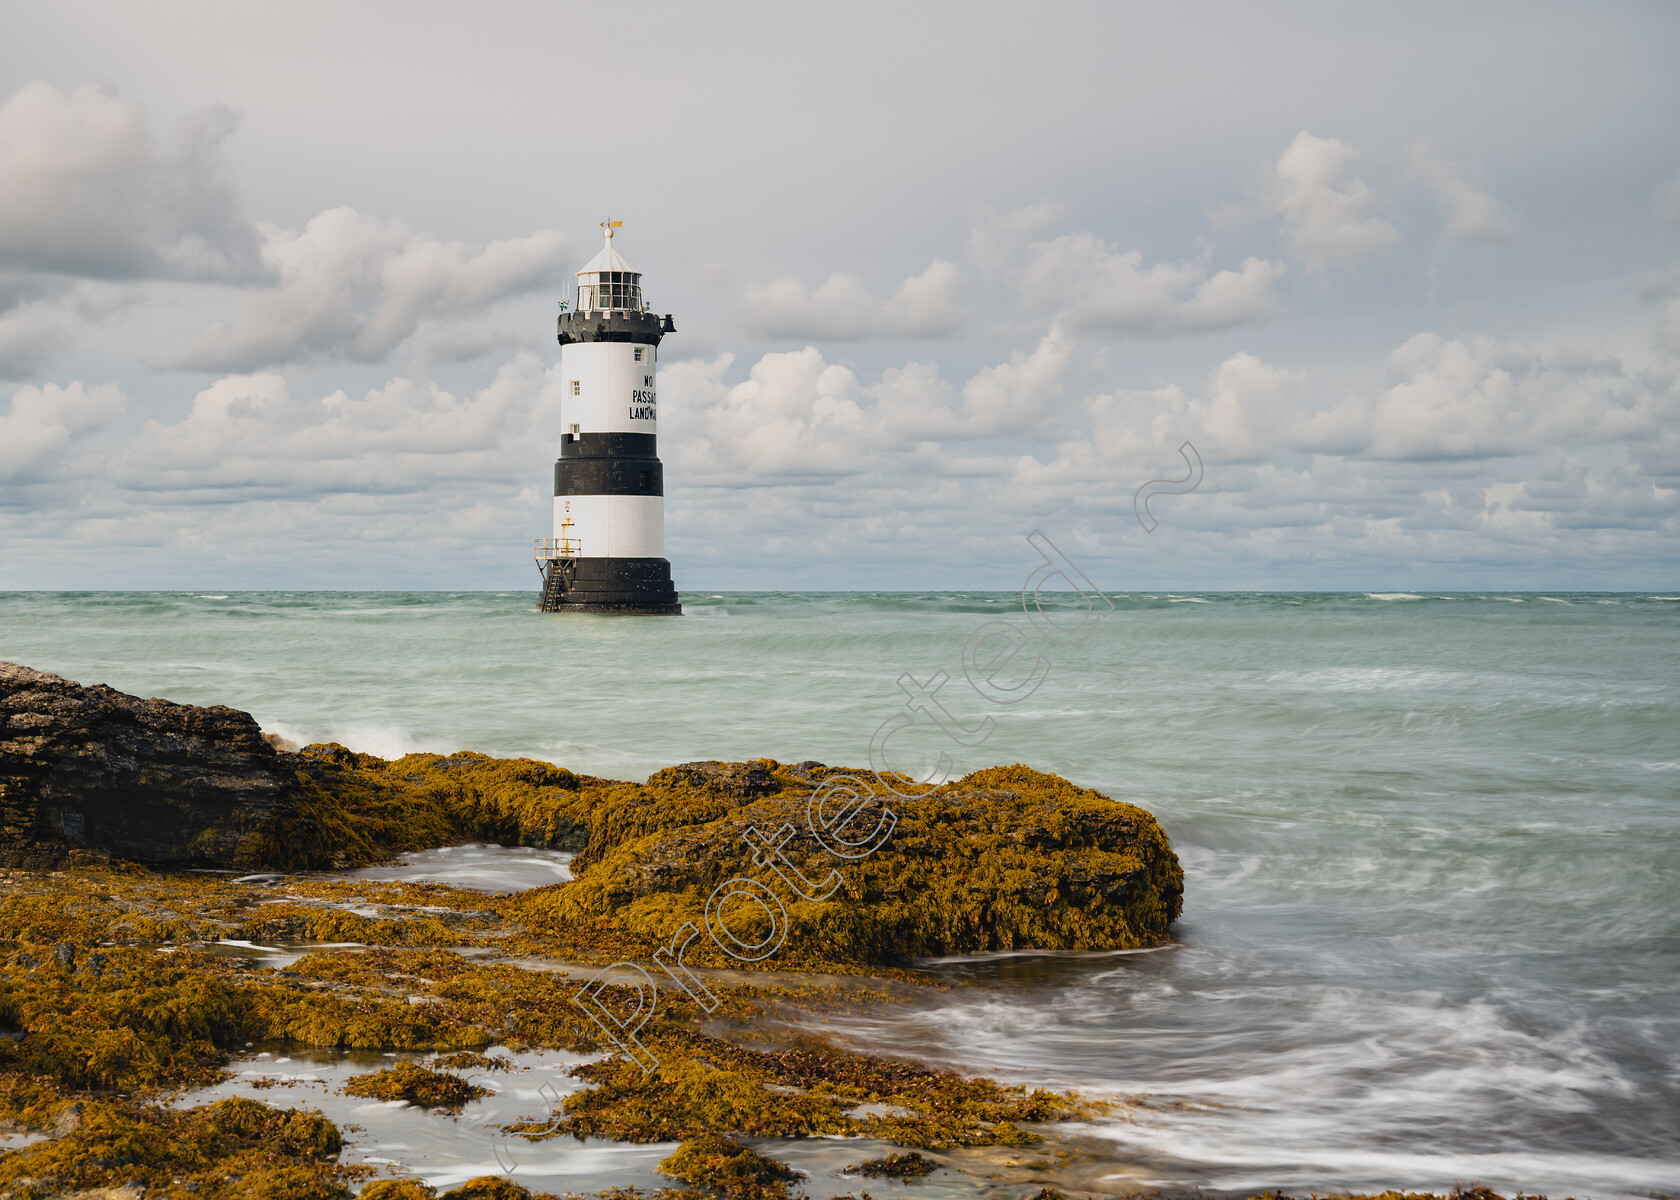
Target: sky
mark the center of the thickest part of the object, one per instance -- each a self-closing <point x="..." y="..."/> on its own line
<point x="277" y="284"/>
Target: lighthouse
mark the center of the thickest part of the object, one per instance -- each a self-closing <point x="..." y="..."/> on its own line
<point x="607" y="554"/>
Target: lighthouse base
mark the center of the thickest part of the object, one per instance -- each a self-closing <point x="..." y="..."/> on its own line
<point x="632" y="586"/>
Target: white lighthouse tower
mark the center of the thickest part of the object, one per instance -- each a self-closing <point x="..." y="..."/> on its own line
<point x="608" y="549"/>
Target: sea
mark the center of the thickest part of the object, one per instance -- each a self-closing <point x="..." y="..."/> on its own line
<point x="1431" y="930"/>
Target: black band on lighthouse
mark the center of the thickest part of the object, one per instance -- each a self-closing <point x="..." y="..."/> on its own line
<point x="610" y="585"/>
<point x="609" y="477"/>
<point x="615" y="326"/>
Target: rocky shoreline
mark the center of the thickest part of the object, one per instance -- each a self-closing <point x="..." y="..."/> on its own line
<point x="124" y="824"/>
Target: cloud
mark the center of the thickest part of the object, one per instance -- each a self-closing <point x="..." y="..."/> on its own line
<point x="1326" y="209"/>
<point x="247" y="436"/>
<point x="1469" y="398"/>
<point x="1016" y="396"/>
<point x="43" y="423"/>
<point x="87" y="191"/>
<point x="796" y="417"/>
<point x="355" y="287"/>
<point x="841" y="309"/>
<point x="996" y="240"/>
<point x="1473" y="447"/>
<point x="1472" y="214"/>
<point x="1093" y="286"/>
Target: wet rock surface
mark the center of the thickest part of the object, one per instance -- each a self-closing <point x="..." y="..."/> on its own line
<point x="87" y="772"/>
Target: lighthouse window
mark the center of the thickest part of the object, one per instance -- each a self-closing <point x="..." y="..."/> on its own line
<point x="647" y="481"/>
<point x="577" y="387"/>
<point x="638" y="354"/>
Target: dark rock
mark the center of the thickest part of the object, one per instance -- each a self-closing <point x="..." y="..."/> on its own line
<point x="742" y="780"/>
<point x="65" y="953"/>
<point x="89" y="771"/>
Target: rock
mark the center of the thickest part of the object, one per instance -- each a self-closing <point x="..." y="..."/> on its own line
<point x="740" y="781"/>
<point x="67" y="1122"/>
<point x="1006" y="858"/>
<point x="90" y="769"/>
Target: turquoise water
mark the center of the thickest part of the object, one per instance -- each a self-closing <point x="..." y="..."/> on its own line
<point x="1432" y="921"/>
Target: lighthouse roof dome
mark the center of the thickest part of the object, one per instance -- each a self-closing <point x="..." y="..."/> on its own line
<point x="607" y="260"/>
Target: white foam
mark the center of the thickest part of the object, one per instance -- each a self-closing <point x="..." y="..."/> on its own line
<point x="478" y="867"/>
<point x="1393" y="596"/>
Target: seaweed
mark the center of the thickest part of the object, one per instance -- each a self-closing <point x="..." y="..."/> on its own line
<point x="355" y="809"/>
<point x="895" y="1166"/>
<point x="397" y="1189"/>
<point x="110" y="994"/>
<point x="726" y="1166"/>
<point x="414" y="1083"/>
<point x="1007" y="858"/>
<point x="235" y="1148"/>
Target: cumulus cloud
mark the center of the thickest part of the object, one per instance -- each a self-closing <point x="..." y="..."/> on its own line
<point x="1016" y="396"/>
<point x="1472" y="214"/>
<point x="1094" y="286"/>
<point x="88" y="193"/>
<point x="247" y="436"/>
<point x="352" y="286"/>
<point x="1478" y="398"/>
<point x="841" y="309"/>
<point x="1327" y="210"/>
<point x="86" y="190"/>
<point x="1471" y="446"/>
<point x="43" y="423"/>
<point x="798" y="417"/>
<point x="996" y="239"/>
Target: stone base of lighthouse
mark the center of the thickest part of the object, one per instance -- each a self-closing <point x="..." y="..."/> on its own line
<point x="632" y="586"/>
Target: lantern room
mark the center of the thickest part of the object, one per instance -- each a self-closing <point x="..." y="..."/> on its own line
<point x="607" y="283"/>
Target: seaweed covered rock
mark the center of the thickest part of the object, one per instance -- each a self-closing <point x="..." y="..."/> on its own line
<point x="728" y="1167"/>
<point x="234" y="1148"/>
<point x="353" y="809"/>
<point x="1007" y="858"/>
<point x="414" y="1083"/>
<point x="91" y="769"/>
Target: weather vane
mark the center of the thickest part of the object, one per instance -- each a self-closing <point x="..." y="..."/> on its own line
<point x="609" y="225"/>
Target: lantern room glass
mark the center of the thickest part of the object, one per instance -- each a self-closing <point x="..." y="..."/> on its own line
<point x="610" y="290"/>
